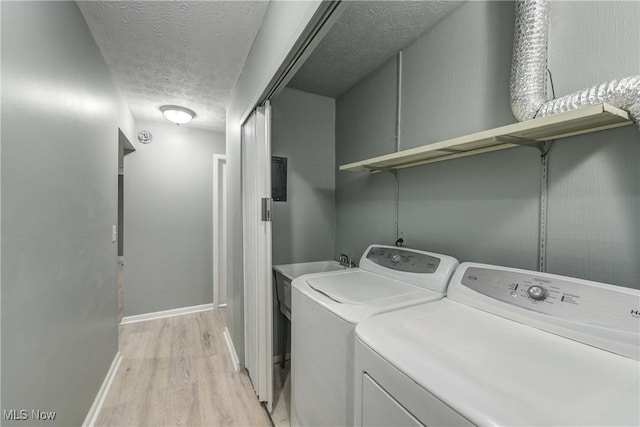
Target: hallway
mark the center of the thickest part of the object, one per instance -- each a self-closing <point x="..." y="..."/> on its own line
<point x="177" y="371"/>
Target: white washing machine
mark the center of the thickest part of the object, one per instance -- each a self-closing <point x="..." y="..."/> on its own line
<point x="327" y="306"/>
<point x="506" y="347"/>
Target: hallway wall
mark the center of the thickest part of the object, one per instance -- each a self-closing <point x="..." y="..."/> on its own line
<point x="60" y="118"/>
<point x="169" y="219"/>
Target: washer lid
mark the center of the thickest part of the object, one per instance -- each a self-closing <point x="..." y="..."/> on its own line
<point x="359" y="287"/>
<point x="495" y="371"/>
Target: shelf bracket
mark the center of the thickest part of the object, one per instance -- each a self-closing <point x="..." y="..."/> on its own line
<point x="542" y="236"/>
<point x="376" y="169"/>
<point x="516" y="140"/>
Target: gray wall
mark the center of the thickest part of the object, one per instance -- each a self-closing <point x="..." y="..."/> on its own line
<point x="594" y="180"/>
<point x="303" y="131"/>
<point x="366" y="127"/>
<point x="485" y="208"/>
<point x="455" y="82"/>
<point x="168" y="219"/>
<point x="458" y="207"/>
<point x="282" y="26"/>
<point x="60" y="118"/>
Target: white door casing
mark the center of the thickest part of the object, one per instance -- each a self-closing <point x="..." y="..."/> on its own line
<point x="219" y="230"/>
<point x="249" y="249"/>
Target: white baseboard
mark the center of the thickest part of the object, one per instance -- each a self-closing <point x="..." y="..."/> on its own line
<point x="96" y="407"/>
<point x="166" y="313"/>
<point x="232" y="350"/>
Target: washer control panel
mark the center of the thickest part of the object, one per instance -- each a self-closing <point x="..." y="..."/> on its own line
<point x="537" y="292"/>
<point x="403" y="260"/>
<point x="577" y="301"/>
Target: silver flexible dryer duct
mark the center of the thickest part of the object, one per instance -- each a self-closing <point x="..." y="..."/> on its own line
<point x="529" y="72"/>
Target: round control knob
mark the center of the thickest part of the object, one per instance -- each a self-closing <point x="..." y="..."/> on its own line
<point x="396" y="258"/>
<point x="536" y="292"/>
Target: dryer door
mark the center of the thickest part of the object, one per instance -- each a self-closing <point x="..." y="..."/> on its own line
<point x="379" y="408"/>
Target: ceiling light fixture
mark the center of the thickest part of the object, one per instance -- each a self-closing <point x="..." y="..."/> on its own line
<point x="176" y="114"/>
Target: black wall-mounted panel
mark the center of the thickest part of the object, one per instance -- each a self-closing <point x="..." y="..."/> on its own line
<point x="279" y="179"/>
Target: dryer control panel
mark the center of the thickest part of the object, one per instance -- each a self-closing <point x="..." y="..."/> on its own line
<point x="403" y="260"/>
<point x="574" y="300"/>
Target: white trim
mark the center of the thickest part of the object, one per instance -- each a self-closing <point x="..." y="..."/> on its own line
<point x="219" y="223"/>
<point x="96" y="407"/>
<point x="166" y="313"/>
<point x="232" y="349"/>
<point x="222" y="305"/>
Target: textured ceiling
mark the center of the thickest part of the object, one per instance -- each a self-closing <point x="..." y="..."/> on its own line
<point x="186" y="53"/>
<point x="365" y="36"/>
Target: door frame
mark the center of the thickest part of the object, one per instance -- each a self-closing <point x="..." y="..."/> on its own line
<point x="219" y="230"/>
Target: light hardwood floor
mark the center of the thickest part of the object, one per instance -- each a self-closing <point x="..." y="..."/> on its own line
<point x="177" y="371"/>
<point x="281" y="414"/>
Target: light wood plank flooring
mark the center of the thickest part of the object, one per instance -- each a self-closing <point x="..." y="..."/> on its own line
<point x="177" y="371"/>
<point x="281" y="414"/>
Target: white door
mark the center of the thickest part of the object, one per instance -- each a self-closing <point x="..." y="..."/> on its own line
<point x="219" y="230"/>
<point x="256" y="206"/>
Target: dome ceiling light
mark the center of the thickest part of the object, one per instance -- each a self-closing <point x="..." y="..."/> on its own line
<point x="176" y="114"/>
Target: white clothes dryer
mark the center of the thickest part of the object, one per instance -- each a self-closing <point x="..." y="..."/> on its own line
<point x="327" y="306"/>
<point x="506" y="347"/>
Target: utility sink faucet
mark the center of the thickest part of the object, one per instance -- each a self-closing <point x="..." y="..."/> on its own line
<point x="345" y="261"/>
